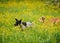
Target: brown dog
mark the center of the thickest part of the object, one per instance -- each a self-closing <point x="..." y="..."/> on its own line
<point x="42" y="19"/>
<point x="52" y="20"/>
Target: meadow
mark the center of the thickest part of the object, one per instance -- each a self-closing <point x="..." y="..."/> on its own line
<point x="28" y="11"/>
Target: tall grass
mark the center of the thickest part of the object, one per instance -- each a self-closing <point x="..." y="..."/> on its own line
<point x="28" y="11"/>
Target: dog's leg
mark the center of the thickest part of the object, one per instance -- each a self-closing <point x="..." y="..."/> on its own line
<point x="22" y="27"/>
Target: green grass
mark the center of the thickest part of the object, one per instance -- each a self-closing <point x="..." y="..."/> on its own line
<point x="28" y="11"/>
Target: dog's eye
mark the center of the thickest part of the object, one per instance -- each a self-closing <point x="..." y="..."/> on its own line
<point x="16" y="22"/>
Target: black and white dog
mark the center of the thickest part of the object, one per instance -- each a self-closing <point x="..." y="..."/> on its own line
<point x="23" y="25"/>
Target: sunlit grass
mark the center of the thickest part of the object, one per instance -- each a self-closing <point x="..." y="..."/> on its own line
<point x="28" y="11"/>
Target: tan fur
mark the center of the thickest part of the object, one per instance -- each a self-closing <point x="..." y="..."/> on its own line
<point x="42" y="19"/>
<point x="52" y="20"/>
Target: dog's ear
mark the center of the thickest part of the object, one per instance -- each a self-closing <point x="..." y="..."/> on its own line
<point x="20" y="20"/>
<point x="16" y="19"/>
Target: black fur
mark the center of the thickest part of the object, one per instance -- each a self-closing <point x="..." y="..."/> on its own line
<point x="19" y="22"/>
<point x="24" y="23"/>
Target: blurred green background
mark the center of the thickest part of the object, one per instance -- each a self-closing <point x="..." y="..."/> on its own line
<point x="29" y="10"/>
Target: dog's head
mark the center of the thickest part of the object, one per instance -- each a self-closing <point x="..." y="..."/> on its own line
<point x="18" y="22"/>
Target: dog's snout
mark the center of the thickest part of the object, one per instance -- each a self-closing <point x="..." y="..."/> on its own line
<point x="15" y="24"/>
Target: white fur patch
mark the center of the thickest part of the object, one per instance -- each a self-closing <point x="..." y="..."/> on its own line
<point x="29" y="24"/>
